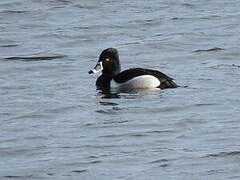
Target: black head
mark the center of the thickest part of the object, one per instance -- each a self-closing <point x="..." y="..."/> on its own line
<point x="108" y="63"/>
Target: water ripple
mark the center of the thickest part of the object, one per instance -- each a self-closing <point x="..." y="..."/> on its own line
<point x="14" y="12"/>
<point x="79" y="171"/>
<point x="209" y="50"/>
<point x="224" y="154"/>
<point x="34" y="58"/>
<point x="115" y="110"/>
<point x="9" y="45"/>
<point x="18" y="177"/>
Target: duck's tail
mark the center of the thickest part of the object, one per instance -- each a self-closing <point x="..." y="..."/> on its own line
<point x="168" y="84"/>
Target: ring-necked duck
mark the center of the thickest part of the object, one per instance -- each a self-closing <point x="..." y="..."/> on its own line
<point x="135" y="78"/>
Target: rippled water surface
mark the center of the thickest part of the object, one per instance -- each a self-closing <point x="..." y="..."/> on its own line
<point x="56" y="125"/>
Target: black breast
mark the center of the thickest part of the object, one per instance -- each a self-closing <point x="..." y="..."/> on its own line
<point x="103" y="82"/>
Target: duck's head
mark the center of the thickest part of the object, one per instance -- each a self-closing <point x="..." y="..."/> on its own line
<point x="108" y="63"/>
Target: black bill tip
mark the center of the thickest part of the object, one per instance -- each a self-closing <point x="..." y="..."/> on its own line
<point x="90" y="72"/>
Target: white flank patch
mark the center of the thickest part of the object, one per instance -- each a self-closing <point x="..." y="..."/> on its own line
<point x="139" y="82"/>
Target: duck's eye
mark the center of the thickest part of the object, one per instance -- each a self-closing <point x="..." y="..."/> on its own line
<point x="107" y="59"/>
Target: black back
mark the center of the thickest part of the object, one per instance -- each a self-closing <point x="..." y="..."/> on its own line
<point x="166" y="81"/>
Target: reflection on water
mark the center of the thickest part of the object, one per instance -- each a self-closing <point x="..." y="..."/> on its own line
<point x="128" y="93"/>
<point x="108" y="93"/>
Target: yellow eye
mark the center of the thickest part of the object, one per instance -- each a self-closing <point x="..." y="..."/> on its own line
<point x="107" y="59"/>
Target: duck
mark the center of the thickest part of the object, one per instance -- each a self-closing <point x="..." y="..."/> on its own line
<point x="133" y="78"/>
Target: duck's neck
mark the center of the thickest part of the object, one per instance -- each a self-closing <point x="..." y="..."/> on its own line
<point x="103" y="82"/>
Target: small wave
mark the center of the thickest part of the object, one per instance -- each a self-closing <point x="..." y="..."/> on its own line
<point x="14" y="11"/>
<point x="31" y="115"/>
<point x="160" y="160"/>
<point x="225" y="66"/>
<point x="224" y="154"/>
<point x="144" y="22"/>
<point x="79" y="163"/>
<point x="34" y="58"/>
<point x="129" y="43"/>
<point x="140" y="134"/>
<point x="62" y="109"/>
<point x="116" y="110"/>
<point x="159" y="131"/>
<point x="110" y="111"/>
<point x="14" y="86"/>
<point x="79" y="171"/>
<point x="205" y="104"/>
<point x="18" y="177"/>
<point x="8" y="45"/>
<point x="105" y="111"/>
<point x="187" y="5"/>
<point x="85" y="6"/>
<point x="193" y="18"/>
<point x="123" y="135"/>
<point x="176" y="18"/>
<point x="108" y="103"/>
<point x="234" y="65"/>
<point x="209" y="50"/>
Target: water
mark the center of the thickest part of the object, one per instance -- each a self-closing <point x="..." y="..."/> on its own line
<point x="55" y="125"/>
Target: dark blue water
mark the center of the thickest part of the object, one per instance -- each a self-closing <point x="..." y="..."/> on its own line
<point x="56" y="125"/>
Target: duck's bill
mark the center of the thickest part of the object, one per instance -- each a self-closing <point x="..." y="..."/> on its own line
<point x="97" y="68"/>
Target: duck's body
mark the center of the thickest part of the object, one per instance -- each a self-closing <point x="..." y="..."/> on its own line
<point x="135" y="78"/>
